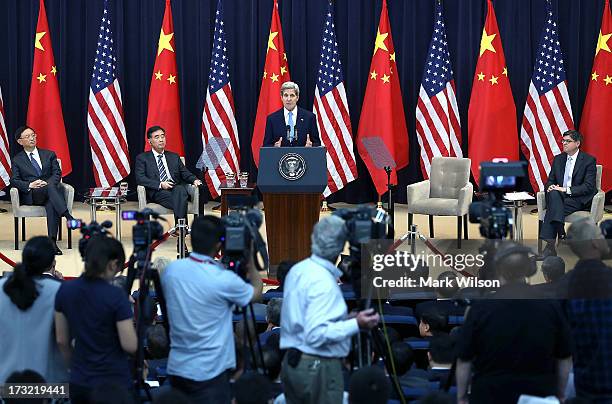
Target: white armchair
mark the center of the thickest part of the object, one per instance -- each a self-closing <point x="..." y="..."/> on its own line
<point x="596" y="212"/>
<point x="23" y="211"/>
<point x="448" y="192"/>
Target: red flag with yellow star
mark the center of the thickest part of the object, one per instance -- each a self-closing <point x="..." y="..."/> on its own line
<point x="164" y="102"/>
<point x="595" y="122"/>
<point x="492" y="130"/>
<point x="276" y="72"/>
<point x="44" y="106"/>
<point x="382" y="113"/>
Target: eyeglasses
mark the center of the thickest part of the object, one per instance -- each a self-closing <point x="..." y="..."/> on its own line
<point x="31" y="135"/>
<point x="566" y="141"/>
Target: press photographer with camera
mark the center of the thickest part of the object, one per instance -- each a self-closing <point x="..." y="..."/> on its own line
<point x="98" y="317"/>
<point x="200" y="294"/>
<point x="315" y="326"/>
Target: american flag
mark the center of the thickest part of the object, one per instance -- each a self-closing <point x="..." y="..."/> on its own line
<point x="218" y="120"/>
<point x="331" y="109"/>
<point x="109" y="149"/>
<point x="437" y="116"/>
<point x="548" y="112"/>
<point x="5" y="158"/>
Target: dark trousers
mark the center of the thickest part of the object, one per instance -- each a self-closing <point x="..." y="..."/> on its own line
<point x="558" y="206"/>
<point x="214" y="391"/>
<point x="175" y="199"/>
<point x="52" y="198"/>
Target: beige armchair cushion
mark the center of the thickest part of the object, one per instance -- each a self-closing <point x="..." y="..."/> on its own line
<point x="448" y="192"/>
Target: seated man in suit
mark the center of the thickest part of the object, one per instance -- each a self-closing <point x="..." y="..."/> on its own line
<point x="37" y="174"/>
<point x="570" y="188"/>
<point x="164" y="175"/>
<point x="291" y="125"/>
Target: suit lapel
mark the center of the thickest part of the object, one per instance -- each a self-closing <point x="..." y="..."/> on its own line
<point x="578" y="161"/>
<point x="153" y="161"/>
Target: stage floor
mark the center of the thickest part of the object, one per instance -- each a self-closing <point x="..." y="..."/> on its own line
<point x="70" y="263"/>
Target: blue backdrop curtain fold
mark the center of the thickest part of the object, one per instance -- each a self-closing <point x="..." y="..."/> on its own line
<point x="74" y="26"/>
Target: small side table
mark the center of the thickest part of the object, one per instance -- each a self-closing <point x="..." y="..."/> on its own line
<point x="517" y="200"/>
<point x="235" y="190"/>
<point x="113" y="195"/>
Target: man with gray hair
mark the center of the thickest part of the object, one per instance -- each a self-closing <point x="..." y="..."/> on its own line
<point x="315" y="327"/>
<point x="291" y="125"/>
<point x="590" y="278"/>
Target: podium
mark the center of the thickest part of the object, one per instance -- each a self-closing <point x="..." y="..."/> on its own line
<point x="291" y="180"/>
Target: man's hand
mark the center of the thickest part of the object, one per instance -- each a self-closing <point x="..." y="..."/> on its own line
<point x="278" y="142"/>
<point x="197" y="183"/>
<point x="308" y="141"/>
<point x="166" y="185"/>
<point x="367" y="319"/>
<point x="556" y="188"/>
<point x="37" y="184"/>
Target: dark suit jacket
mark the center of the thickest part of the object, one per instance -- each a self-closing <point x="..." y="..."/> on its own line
<point x="147" y="173"/>
<point x="306" y="124"/>
<point x="583" y="177"/>
<point x="23" y="172"/>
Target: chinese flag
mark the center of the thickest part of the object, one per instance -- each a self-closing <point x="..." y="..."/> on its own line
<point x="44" y="107"/>
<point x="164" y="103"/>
<point x="382" y="114"/>
<point x="595" y="122"/>
<point x="492" y="115"/>
<point x="276" y="72"/>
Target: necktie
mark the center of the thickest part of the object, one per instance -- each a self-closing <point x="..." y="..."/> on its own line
<point x="163" y="175"/>
<point x="568" y="173"/>
<point x="37" y="167"/>
<point x="291" y="128"/>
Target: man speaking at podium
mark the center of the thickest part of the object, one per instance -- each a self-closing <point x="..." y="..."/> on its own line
<point x="291" y="126"/>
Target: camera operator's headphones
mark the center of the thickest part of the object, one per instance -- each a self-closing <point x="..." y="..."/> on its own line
<point x="527" y="264"/>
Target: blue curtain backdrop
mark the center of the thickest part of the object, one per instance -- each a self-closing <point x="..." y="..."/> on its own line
<point x="74" y="26"/>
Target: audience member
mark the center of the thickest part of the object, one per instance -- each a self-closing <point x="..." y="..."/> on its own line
<point x="553" y="268"/>
<point x="591" y="278"/>
<point x="281" y="273"/>
<point x="200" y="294"/>
<point x="409" y="377"/>
<point x="20" y="377"/>
<point x="160" y="264"/>
<point x="272" y="362"/>
<point x="273" y="316"/>
<point x="441" y="356"/>
<point x="590" y="316"/>
<point x="369" y="385"/>
<point x="252" y="388"/>
<point x="512" y="347"/>
<point x="432" y="323"/>
<point x="157" y="349"/>
<point x="26" y="314"/>
<point x="444" y="303"/>
<point x="98" y="317"/>
<point x="315" y="327"/>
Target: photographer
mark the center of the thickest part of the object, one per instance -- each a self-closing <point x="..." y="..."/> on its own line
<point x="200" y="294"/>
<point x="98" y="316"/>
<point x="314" y="325"/>
<point x="26" y="314"/>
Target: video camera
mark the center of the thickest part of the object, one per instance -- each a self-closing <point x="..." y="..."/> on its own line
<point x="241" y="231"/>
<point x="88" y="231"/>
<point x="496" y="178"/>
<point x="145" y="231"/>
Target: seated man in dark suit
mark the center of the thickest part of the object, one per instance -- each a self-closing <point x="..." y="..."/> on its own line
<point x="291" y="125"/>
<point x="37" y="175"/>
<point x="164" y="175"/>
<point x="570" y="188"/>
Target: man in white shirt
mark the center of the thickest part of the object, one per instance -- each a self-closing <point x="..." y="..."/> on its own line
<point x="315" y="327"/>
<point x="570" y="188"/>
